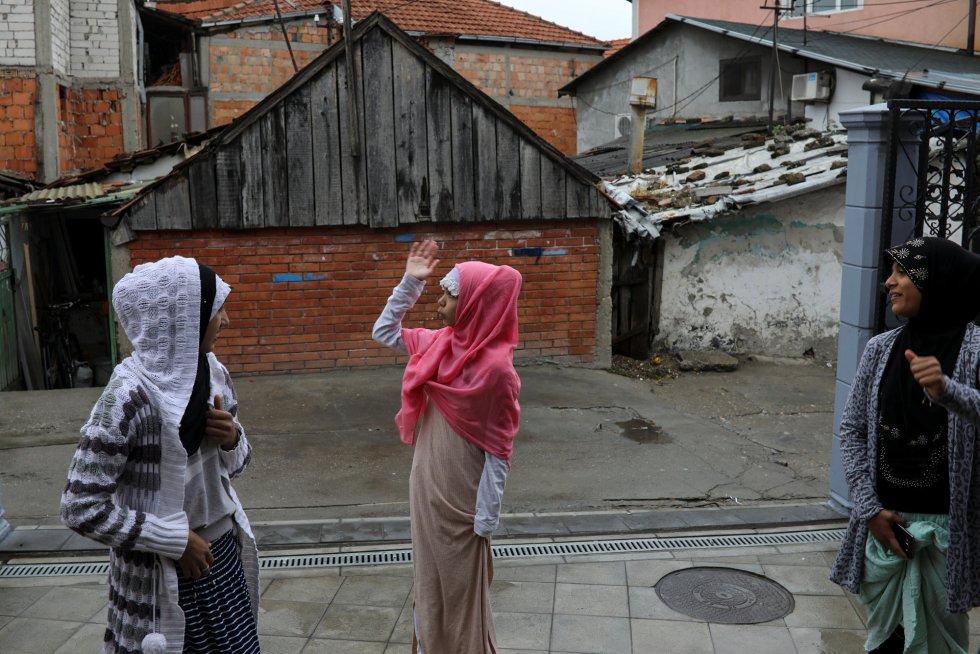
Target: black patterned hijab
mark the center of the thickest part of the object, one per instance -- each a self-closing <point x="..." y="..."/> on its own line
<point x="194" y="422"/>
<point x="949" y="279"/>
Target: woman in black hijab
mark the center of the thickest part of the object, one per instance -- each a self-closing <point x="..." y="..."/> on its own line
<point x="907" y="441"/>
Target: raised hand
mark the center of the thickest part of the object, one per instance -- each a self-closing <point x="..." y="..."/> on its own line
<point x="928" y="372"/>
<point x="421" y="259"/>
<point x="220" y="426"/>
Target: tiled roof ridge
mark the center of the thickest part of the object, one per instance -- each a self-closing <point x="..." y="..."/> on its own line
<point x="545" y="20"/>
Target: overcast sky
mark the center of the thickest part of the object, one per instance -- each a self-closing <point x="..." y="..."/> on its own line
<point x="603" y="19"/>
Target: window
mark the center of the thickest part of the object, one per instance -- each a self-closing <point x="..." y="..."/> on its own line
<point x="795" y="7"/>
<point x="740" y="79"/>
<point x="172" y="114"/>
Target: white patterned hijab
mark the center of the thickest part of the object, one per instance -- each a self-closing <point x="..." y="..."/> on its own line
<point x="159" y="308"/>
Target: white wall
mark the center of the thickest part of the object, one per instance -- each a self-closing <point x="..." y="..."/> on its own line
<point x="60" y="36"/>
<point x="94" y="38"/>
<point x="17" y="43"/>
<point x="762" y="281"/>
<point x="848" y="94"/>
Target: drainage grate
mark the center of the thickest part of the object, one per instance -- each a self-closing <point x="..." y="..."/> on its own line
<point x="403" y="556"/>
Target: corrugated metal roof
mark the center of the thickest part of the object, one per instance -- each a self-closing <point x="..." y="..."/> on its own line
<point x="726" y="178"/>
<point x="926" y="66"/>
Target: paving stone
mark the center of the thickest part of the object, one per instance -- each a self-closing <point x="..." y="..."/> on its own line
<point x="87" y="639"/>
<point x="281" y="644"/>
<point x="705" y="519"/>
<point x="72" y="604"/>
<point x="646" y="605"/>
<point x="507" y="572"/>
<point x="817" y="611"/>
<point x="829" y="641"/>
<point x="308" y="589"/>
<point x="586" y="633"/>
<point x="648" y="573"/>
<point x="758" y="639"/>
<point x="522" y="596"/>
<point x="398" y="648"/>
<point x="317" y="646"/>
<point x="610" y="574"/>
<point x="654" y="520"/>
<point x="534" y="525"/>
<point x="353" y="622"/>
<point x="282" y="618"/>
<point x="522" y="631"/>
<point x="4" y="619"/>
<point x="378" y="590"/>
<point x="594" y="524"/>
<point x="353" y="532"/>
<point x="402" y="633"/>
<point x="34" y="636"/>
<point x="807" y="580"/>
<point x="79" y="543"/>
<point x="592" y="599"/>
<point x="397" y="530"/>
<point x="287" y="534"/>
<point x="14" y="601"/>
<point x="669" y="636"/>
<point x="34" y="540"/>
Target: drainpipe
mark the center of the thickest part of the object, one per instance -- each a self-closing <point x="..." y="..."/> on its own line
<point x="971" y="27"/>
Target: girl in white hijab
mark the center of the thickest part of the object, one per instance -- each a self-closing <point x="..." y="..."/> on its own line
<point x="151" y="477"/>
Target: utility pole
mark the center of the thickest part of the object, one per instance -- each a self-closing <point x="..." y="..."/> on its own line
<point x="971" y="27"/>
<point x="352" y="84"/>
<point x="775" y="57"/>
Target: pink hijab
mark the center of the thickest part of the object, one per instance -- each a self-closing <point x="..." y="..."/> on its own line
<point x="468" y="369"/>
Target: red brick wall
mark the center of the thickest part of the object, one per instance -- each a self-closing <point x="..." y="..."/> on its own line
<point x="556" y="125"/>
<point x="90" y="130"/>
<point x="325" y="321"/>
<point x="256" y="67"/>
<point x="18" y="93"/>
<point x="516" y="79"/>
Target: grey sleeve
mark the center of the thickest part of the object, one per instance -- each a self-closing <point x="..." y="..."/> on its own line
<point x="388" y="327"/>
<point x="854" y="434"/>
<point x="961" y="399"/>
<point x="489" y="495"/>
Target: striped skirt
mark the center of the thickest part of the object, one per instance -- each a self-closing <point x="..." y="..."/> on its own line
<point x="217" y="609"/>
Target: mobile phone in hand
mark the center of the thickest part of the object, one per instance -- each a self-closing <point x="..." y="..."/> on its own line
<point x="905" y="539"/>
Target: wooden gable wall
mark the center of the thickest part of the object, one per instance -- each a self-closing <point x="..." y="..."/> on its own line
<point x="427" y="137"/>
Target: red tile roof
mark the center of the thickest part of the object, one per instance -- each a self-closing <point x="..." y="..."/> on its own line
<point x="451" y="17"/>
<point x="615" y="46"/>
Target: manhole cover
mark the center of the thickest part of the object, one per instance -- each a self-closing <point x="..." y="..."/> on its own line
<point x="724" y="595"/>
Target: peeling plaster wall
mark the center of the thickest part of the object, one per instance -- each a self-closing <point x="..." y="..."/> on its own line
<point x="763" y="281"/>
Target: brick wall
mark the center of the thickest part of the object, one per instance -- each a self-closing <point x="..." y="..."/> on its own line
<point x="90" y="128"/>
<point x="527" y="83"/>
<point x="253" y="62"/>
<point x="556" y="125"/>
<point x="94" y="38"/>
<point x="61" y="36"/>
<point x="17" y="44"/>
<point x="18" y="93"/>
<point x="305" y="299"/>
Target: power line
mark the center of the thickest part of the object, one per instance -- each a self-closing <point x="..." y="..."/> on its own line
<point x="877" y="20"/>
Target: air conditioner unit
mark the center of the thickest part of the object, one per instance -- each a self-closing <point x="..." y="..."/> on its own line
<point x="813" y="87"/>
<point x="623" y="125"/>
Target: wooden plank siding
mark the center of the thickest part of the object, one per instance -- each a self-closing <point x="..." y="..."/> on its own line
<point x="275" y="178"/>
<point x="299" y="159"/>
<point x="174" y="204"/>
<point x="379" y="130"/>
<point x="431" y="147"/>
<point x="411" y="140"/>
<point x="328" y="191"/>
<point x="439" y="129"/>
<point x="204" y="203"/>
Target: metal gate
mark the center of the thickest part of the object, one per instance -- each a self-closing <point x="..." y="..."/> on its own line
<point x="932" y="177"/>
<point x="8" y="332"/>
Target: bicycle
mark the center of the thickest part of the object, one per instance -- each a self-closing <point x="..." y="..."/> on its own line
<point x="59" y="348"/>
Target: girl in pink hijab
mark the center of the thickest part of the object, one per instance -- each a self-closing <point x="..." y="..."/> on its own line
<point x="460" y="411"/>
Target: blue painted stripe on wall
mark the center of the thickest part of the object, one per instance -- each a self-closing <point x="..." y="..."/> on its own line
<point x="285" y="278"/>
<point x="405" y="238"/>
